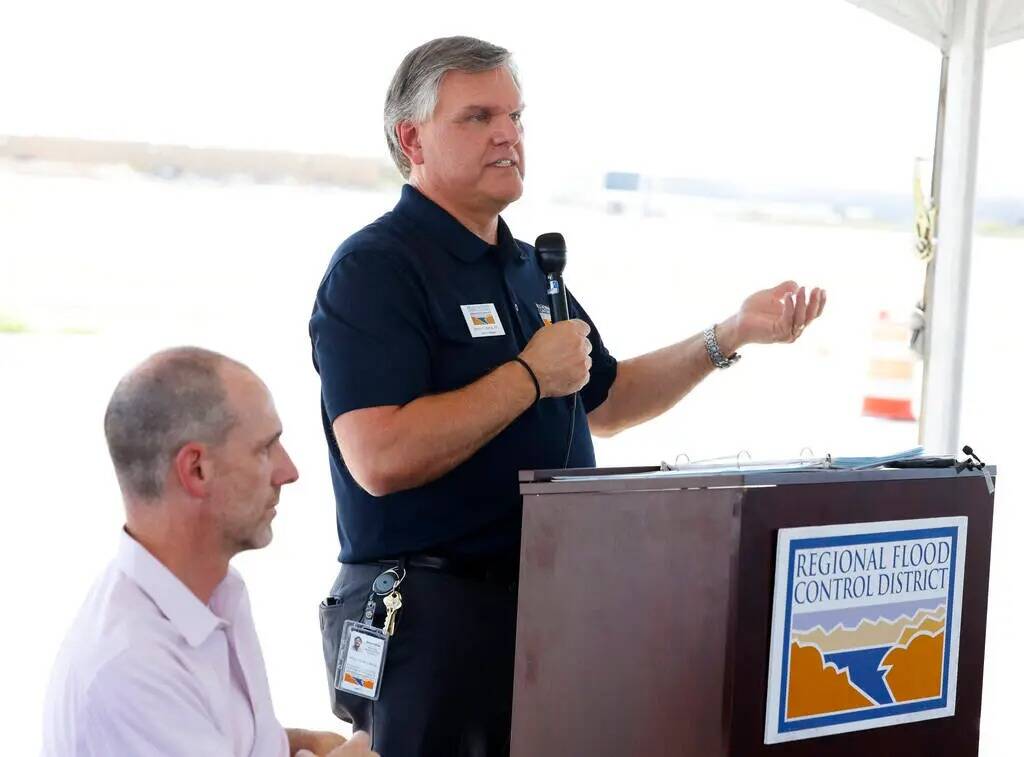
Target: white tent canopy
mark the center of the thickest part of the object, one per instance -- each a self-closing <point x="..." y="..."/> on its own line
<point x="931" y="19"/>
<point x="962" y="30"/>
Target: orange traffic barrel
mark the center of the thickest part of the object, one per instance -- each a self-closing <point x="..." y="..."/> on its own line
<point x="891" y="386"/>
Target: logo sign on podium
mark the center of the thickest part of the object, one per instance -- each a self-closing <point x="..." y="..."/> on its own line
<point x="865" y="626"/>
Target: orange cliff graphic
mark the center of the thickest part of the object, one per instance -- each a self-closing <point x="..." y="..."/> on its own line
<point x="815" y="688"/>
<point x="915" y="670"/>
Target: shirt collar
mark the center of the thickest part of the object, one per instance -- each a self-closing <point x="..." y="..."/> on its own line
<point x="453" y="236"/>
<point x="193" y="620"/>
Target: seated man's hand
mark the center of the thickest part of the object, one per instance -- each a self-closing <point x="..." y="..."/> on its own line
<point x="772" y="315"/>
<point x="357" y="746"/>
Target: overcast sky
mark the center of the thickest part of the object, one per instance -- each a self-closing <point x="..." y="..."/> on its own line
<point x="781" y="92"/>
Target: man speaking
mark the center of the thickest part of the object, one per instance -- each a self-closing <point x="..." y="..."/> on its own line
<point x="439" y="382"/>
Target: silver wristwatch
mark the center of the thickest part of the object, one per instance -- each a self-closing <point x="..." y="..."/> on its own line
<point x="711" y="343"/>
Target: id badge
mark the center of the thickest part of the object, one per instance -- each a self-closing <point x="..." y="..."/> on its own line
<point x="361" y="660"/>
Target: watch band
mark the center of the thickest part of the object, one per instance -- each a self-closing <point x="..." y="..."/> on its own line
<point x="715" y="353"/>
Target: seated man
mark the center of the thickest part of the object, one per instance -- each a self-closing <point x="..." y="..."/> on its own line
<point x="163" y="657"/>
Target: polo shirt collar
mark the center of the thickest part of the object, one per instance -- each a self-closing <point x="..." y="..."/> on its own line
<point x="452" y="235"/>
<point x="193" y="620"/>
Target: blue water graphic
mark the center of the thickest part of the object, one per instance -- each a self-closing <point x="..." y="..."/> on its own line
<point x="864" y="673"/>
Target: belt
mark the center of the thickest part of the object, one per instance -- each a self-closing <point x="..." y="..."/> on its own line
<point x="486" y="570"/>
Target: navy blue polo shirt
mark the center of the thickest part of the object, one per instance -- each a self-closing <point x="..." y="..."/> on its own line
<point x="388" y="327"/>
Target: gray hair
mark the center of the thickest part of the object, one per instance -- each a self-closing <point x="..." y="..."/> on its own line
<point x="412" y="95"/>
<point x="173" y="398"/>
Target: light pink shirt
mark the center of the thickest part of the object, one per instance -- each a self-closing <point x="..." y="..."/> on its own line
<point x="148" y="669"/>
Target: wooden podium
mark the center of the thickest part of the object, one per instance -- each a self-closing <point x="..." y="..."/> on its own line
<point x="645" y="608"/>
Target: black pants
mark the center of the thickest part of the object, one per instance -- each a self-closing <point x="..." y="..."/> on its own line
<point x="446" y="689"/>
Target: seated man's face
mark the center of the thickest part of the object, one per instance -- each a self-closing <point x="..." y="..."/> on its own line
<point x="251" y="466"/>
<point x="473" y="152"/>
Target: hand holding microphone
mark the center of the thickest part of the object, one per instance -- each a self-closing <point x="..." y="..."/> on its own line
<point x="560" y="357"/>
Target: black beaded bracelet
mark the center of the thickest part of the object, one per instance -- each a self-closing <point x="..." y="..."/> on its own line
<point x="536" y="383"/>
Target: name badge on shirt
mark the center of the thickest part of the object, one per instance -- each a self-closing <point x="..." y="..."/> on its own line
<point x="361" y="659"/>
<point x="544" y="312"/>
<point x="483" y="320"/>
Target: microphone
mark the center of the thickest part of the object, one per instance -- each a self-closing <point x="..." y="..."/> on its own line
<point x="551" y="255"/>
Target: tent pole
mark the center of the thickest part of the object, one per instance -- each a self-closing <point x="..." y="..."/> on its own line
<point x="918" y="341"/>
<point x="946" y="313"/>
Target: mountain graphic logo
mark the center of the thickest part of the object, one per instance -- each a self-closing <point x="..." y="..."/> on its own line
<point x="879" y="662"/>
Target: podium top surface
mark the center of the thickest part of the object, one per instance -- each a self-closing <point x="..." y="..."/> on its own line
<point x="652" y="477"/>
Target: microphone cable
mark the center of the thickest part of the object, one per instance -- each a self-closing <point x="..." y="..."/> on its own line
<point x="572" y="429"/>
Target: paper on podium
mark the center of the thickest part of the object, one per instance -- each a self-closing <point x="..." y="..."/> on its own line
<point x="863" y="463"/>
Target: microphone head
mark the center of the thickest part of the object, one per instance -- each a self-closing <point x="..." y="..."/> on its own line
<point x="551" y="253"/>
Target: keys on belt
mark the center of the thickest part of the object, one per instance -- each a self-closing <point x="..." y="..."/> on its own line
<point x="385" y="586"/>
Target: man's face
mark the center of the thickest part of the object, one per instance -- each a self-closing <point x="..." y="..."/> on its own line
<point x="472" y="148"/>
<point x="250" y="467"/>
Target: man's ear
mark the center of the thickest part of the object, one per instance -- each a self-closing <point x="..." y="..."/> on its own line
<point x="409" y="139"/>
<point x="193" y="468"/>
